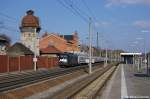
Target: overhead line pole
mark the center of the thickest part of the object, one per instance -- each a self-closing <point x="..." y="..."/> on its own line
<point x="106" y="57"/>
<point x="98" y="48"/>
<point x="90" y="46"/>
<point x="97" y="40"/>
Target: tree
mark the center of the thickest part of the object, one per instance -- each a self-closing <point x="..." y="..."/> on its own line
<point x="5" y="38"/>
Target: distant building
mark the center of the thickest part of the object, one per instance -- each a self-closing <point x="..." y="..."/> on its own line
<point x="111" y="54"/>
<point x="84" y="48"/>
<point x="30" y="28"/>
<point x="4" y="44"/>
<point x="64" y="43"/>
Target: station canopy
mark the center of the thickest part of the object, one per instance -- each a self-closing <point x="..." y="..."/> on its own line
<point x="132" y="54"/>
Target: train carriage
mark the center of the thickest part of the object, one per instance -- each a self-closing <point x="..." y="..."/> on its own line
<point x="71" y="59"/>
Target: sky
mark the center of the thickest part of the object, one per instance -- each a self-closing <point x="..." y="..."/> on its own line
<point x="121" y="24"/>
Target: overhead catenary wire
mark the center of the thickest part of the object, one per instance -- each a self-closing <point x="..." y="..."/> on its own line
<point x="11" y="20"/>
<point x="8" y="17"/>
<point x="10" y="29"/>
<point x="94" y="18"/>
<point x="83" y="13"/>
<point x="87" y="15"/>
<point x="89" y="10"/>
<point x="78" y="9"/>
<point x="64" y="5"/>
<point x="72" y="9"/>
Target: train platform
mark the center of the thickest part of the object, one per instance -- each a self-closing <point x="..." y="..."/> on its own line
<point x="127" y="83"/>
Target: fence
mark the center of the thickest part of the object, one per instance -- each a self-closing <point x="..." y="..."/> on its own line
<point x="20" y="63"/>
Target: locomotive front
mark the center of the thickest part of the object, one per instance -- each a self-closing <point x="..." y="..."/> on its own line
<point x="63" y="59"/>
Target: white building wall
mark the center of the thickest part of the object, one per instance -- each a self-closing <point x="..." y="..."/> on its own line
<point x="31" y="40"/>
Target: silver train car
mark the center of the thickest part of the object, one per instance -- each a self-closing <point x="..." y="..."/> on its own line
<point x="71" y="59"/>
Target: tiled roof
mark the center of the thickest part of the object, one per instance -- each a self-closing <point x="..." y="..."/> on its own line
<point x="30" y="20"/>
<point x="50" y="49"/>
<point x="67" y="37"/>
<point x="19" y="49"/>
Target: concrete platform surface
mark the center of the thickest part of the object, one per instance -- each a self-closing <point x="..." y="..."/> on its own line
<point x="126" y="83"/>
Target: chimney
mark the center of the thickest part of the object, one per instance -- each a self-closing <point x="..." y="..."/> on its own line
<point x="45" y="34"/>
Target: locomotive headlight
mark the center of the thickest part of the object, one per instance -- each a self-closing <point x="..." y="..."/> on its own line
<point x="63" y="60"/>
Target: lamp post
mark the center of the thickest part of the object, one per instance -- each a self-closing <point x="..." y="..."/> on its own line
<point x="135" y="57"/>
<point x="139" y="58"/>
<point x="133" y="45"/>
<point x="106" y="57"/>
<point x="145" y="58"/>
<point x="35" y="58"/>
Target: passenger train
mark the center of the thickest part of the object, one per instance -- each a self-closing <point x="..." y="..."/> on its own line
<point x="71" y="59"/>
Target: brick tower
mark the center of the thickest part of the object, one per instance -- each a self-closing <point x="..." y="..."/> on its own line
<point x="30" y="29"/>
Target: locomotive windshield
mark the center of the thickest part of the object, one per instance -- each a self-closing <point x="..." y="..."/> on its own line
<point x="63" y="56"/>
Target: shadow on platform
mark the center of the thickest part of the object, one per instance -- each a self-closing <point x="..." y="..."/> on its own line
<point x="142" y="75"/>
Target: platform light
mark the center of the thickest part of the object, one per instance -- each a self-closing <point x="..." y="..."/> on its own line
<point x="145" y="59"/>
<point x="35" y="56"/>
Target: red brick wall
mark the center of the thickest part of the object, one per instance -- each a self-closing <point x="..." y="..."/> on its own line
<point x="45" y="62"/>
<point x="60" y="43"/>
<point x="42" y="62"/>
<point x="26" y="62"/>
<point x="13" y="64"/>
<point x="3" y="63"/>
<point x="20" y="63"/>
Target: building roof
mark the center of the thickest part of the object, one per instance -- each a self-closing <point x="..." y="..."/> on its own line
<point x="19" y="49"/>
<point x="50" y="50"/>
<point x="51" y="34"/>
<point x="67" y="37"/>
<point x="130" y="53"/>
<point x="30" y="20"/>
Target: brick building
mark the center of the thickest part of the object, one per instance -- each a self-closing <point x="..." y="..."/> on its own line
<point x="49" y="51"/>
<point x="64" y="43"/>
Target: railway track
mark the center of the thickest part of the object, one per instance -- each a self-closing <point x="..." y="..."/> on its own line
<point x="86" y="88"/>
<point x="9" y="82"/>
<point x="93" y="89"/>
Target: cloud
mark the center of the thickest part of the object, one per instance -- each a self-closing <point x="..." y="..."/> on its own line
<point x="142" y="24"/>
<point x="126" y="2"/>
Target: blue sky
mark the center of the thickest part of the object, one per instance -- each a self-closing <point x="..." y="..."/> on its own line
<point x="119" y="22"/>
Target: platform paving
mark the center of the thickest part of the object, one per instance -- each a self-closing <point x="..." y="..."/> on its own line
<point x="127" y="83"/>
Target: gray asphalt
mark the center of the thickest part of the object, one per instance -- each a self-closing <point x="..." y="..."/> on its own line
<point x="137" y="84"/>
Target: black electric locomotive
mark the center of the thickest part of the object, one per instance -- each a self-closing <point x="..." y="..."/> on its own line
<point x="68" y="59"/>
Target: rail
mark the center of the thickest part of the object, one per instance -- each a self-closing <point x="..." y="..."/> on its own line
<point x="22" y="79"/>
<point x="73" y="90"/>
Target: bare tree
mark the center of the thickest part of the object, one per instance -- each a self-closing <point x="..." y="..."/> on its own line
<point x="6" y="38"/>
